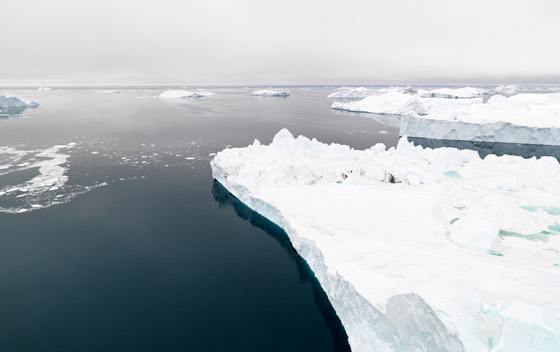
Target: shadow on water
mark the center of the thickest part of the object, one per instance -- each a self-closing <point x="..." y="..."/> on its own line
<point x="486" y="148"/>
<point x="225" y="199"/>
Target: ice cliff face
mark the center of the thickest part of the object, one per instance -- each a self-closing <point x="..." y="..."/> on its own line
<point x="417" y="249"/>
<point x="12" y="104"/>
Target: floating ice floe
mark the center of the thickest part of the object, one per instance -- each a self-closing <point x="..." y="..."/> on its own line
<point x="109" y="92"/>
<point x="12" y="104"/>
<point x="44" y="188"/>
<point x="417" y="249"/>
<point x="271" y="93"/>
<point x="178" y="94"/>
<point x="352" y="93"/>
<point x="44" y="88"/>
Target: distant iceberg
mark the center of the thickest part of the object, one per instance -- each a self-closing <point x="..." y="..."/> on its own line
<point x="271" y="93"/>
<point x="178" y="94"/>
<point x="109" y="91"/>
<point x="12" y="104"/>
<point x="417" y="249"/>
<point x="452" y="93"/>
<point x="44" y="88"/>
<point x="397" y="103"/>
<point x="352" y="93"/>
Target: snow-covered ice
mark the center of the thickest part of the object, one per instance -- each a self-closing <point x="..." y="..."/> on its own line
<point x="271" y="93"/>
<point x="398" y="103"/>
<point x="109" y="92"/>
<point x="452" y="93"/>
<point x="417" y="249"/>
<point x="178" y="94"/>
<point x="45" y="88"/>
<point x="13" y="104"/>
<point x="352" y="93"/>
<point x="527" y="118"/>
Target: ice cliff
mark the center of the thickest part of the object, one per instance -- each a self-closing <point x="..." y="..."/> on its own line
<point x="417" y="249"/>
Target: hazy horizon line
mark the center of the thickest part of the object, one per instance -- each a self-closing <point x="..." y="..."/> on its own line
<point x="148" y="84"/>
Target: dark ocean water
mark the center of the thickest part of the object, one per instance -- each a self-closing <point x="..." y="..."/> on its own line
<point x="145" y="252"/>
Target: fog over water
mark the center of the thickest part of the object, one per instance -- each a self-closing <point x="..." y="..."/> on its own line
<point x="289" y="42"/>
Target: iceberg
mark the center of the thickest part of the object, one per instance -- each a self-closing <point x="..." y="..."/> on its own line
<point x="352" y="93"/>
<point x="522" y="118"/>
<point x="109" y="92"/>
<point x="12" y="104"/>
<point x="527" y="118"/>
<point x="44" y="88"/>
<point x="178" y="94"/>
<point x="452" y="93"/>
<point x="270" y="93"/>
<point x="417" y="249"/>
<point x="398" y="103"/>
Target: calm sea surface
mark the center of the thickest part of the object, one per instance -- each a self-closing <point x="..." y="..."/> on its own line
<point x="138" y="249"/>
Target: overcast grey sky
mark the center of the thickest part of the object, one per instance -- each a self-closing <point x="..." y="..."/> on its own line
<point x="279" y="42"/>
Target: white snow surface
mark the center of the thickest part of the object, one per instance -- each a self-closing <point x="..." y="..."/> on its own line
<point x="271" y="93"/>
<point x="417" y="249"/>
<point x="174" y="94"/>
<point x="532" y="110"/>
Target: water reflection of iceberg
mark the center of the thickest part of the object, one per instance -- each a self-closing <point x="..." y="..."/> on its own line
<point x="486" y="148"/>
<point x="226" y="199"/>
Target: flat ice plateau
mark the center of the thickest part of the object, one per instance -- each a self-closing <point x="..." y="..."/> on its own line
<point x="461" y="114"/>
<point x="271" y="93"/>
<point x="417" y="249"/>
<point x="12" y="104"/>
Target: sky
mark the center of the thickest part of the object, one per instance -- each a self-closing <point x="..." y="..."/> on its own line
<point x="248" y="42"/>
